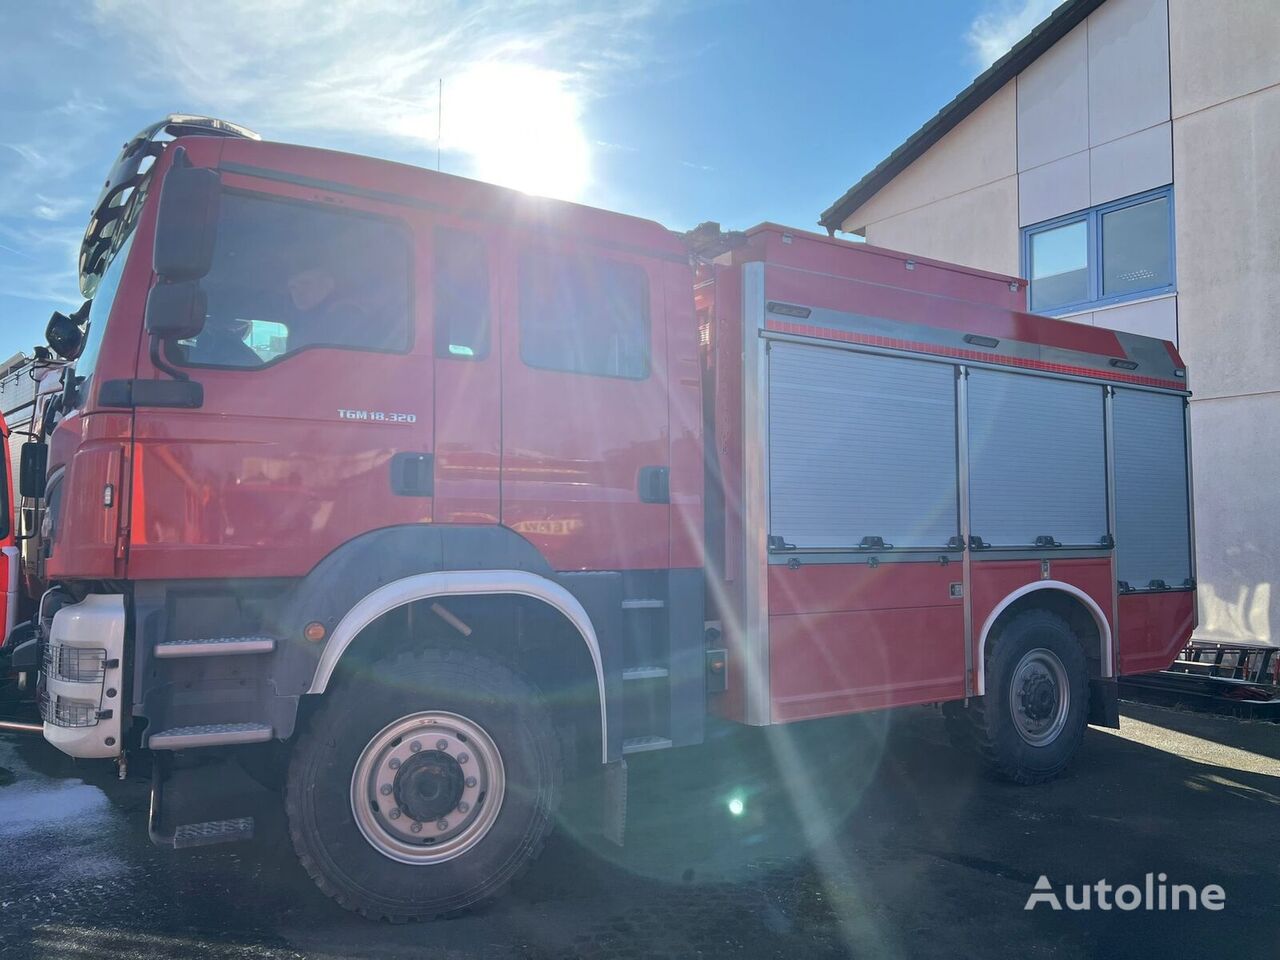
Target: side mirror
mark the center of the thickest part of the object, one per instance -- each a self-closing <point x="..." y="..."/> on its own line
<point x="64" y="335"/>
<point x="187" y="220"/>
<point x="33" y="470"/>
<point x="176" y="311"/>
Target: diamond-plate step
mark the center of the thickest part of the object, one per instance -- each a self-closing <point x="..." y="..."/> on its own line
<point x="645" y="673"/>
<point x="641" y="744"/>
<point x="210" y="735"/>
<point x="214" y="647"/>
<point x="213" y="831"/>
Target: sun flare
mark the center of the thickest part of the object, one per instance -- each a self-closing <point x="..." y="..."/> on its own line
<point x="520" y="126"/>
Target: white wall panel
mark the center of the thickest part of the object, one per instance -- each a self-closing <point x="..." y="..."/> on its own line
<point x="1053" y="102"/>
<point x="1055" y="189"/>
<point x="1133" y="164"/>
<point x="1128" y="68"/>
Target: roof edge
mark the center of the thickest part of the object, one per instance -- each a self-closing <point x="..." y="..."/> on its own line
<point x="1025" y="52"/>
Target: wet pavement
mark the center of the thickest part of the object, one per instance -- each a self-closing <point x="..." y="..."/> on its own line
<point x="860" y="836"/>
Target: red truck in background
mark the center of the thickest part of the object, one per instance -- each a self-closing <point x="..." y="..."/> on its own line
<point x="447" y="500"/>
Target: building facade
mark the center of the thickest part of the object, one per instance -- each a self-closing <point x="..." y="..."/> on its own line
<point x="1125" y="157"/>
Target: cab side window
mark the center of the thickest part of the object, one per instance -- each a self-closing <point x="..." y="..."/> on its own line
<point x="584" y="314"/>
<point x="289" y="275"/>
<point x="461" y="283"/>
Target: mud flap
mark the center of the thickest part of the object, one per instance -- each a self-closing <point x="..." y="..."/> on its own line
<point x="613" y="814"/>
<point x="1104" y="703"/>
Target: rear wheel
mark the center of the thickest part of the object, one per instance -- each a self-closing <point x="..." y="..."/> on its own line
<point x="1030" y="724"/>
<point x="423" y="786"/>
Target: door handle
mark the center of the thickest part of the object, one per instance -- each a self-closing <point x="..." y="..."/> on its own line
<point x="413" y="475"/>
<point x="654" y="484"/>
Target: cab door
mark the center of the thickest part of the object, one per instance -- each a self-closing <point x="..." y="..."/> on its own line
<point x="585" y="447"/>
<point x="316" y="422"/>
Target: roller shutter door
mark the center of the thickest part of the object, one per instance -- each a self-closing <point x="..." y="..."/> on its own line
<point x="1037" y="460"/>
<point x="1153" y="517"/>
<point x="860" y="446"/>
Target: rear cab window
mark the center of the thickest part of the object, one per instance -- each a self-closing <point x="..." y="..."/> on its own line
<point x="461" y="282"/>
<point x="289" y="275"/>
<point x="584" y="314"/>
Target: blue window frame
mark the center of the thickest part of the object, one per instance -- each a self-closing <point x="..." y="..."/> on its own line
<point x="1108" y="254"/>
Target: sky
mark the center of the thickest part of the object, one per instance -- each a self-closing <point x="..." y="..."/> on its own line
<point x="677" y="110"/>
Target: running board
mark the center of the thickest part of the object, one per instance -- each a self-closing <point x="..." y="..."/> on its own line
<point x="212" y="831"/>
<point x="641" y="744"/>
<point x="645" y="673"/>
<point x="214" y="647"/>
<point x="210" y="735"/>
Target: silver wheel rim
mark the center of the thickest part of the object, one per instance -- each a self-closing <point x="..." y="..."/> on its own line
<point x="457" y="762"/>
<point x="1039" y="697"/>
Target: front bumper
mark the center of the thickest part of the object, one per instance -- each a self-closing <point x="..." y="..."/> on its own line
<point x="80" y="685"/>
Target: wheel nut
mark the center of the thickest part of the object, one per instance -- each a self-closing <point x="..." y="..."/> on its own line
<point x="394" y="814"/>
<point x="463" y="758"/>
<point x="415" y="746"/>
<point x="385" y="789"/>
<point x="442" y="824"/>
<point x="463" y="807"/>
<point x="394" y="763"/>
<point x="416" y="827"/>
<point x="442" y="744"/>
<point x="471" y="781"/>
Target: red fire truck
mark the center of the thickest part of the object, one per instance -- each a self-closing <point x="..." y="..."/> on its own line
<point x="449" y="500"/>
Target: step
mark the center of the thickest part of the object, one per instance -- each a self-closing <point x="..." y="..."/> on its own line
<point x="639" y="603"/>
<point x="641" y="744"/>
<point x="210" y="735"/>
<point x="214" y="647"/>
<point x="213" y="831"/>
<point x="645" y="673"/>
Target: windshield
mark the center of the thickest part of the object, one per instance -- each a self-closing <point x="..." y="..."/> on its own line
<point x="99" y="311"/>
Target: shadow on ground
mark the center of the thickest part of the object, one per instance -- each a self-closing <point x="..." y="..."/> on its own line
<point x="856" y="836"/>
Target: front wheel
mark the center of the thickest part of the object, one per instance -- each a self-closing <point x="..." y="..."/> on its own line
<point x="1031" y="722"/>
<point x="424" y="785"/>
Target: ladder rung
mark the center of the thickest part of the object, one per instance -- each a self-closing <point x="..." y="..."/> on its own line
<point x="210" y="735"/>
<point x="644" y="673"/>
<point x="643" y="604"/>
<point x="214" y="647"/>
<point x="641" y="744"/>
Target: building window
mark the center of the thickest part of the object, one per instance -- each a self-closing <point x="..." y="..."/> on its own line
<point x="1108" y="254"/>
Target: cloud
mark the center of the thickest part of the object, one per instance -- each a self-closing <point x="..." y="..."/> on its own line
<point x="1004" y="22"/>
<point x="517" y="74"/>
<point x="361" y="75"/>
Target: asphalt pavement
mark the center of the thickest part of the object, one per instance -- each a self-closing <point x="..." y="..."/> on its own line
<point x="864" y="836"/>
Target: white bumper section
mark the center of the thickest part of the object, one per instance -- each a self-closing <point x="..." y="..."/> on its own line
<point x="81" y="699"/>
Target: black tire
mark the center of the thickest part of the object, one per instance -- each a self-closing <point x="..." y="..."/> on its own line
<point x="318" y="796"/>
<point x="991" y="726"/>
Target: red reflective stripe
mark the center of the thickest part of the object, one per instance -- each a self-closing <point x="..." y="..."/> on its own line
<point x="893" y="343"/>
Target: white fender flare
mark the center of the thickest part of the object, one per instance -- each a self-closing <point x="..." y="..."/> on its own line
<point x="1099" y="618"/>
<point x="457" y="583"/>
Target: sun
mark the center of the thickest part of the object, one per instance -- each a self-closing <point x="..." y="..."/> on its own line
<point x="520" y="126"/>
